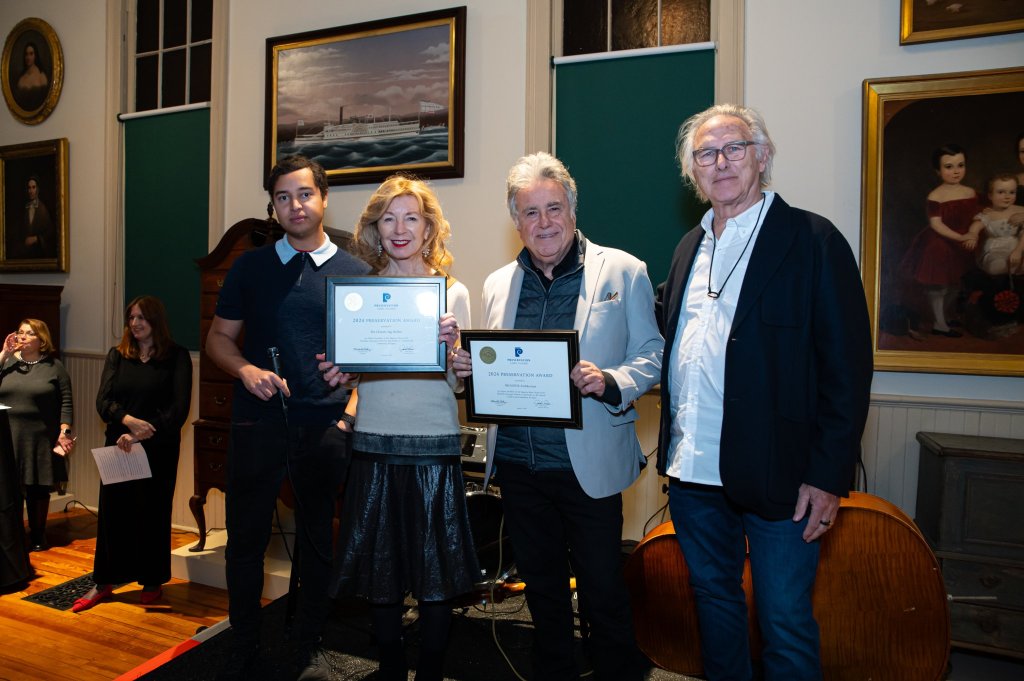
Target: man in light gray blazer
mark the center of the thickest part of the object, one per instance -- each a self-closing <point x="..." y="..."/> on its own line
<point x="561" y="488"/>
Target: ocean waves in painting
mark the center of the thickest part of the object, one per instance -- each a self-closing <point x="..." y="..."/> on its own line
<point x="422" y="148"/>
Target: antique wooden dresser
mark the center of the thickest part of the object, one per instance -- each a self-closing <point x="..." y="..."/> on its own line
<point x="212" y="429"/>
<point x="970" y="507"/>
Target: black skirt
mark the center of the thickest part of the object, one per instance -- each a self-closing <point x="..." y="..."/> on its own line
<point x="404" y="529"/>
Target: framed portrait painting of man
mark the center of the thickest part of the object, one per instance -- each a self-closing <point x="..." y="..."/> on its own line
<point x="371" y="99"/>
<point x="34" y="215"/>
<point x="32" y="71"/>
<point x="942" y="206"/>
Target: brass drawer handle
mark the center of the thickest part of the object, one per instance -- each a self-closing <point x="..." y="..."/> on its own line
<point x="215" y="440"/>
<point x="220" y="282"/>
<point x="220" y="401"/>
<point x="216" y="467"/>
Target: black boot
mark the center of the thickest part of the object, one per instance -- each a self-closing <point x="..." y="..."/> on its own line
<point x="392" y="662"/>
<point x="430" y="665"/>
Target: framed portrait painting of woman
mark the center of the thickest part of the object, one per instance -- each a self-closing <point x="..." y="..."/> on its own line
<point x="32" y="71"/>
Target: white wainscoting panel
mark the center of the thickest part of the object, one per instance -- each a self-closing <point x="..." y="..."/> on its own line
<point x="84" y="481"/>
<point x="890" y="446"/>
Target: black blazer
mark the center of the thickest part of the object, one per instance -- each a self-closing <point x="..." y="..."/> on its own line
<point x="798" y="365"/>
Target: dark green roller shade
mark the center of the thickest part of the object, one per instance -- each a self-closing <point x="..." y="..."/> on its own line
<point x="615" y="128"/>
<point x="167" y="186"/>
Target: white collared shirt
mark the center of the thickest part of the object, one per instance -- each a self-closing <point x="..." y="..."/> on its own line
<point x="286" y="252"/>
<point x="697" y="370"/>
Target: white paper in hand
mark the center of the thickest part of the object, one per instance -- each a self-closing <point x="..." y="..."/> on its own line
<point x="116" y="465"/>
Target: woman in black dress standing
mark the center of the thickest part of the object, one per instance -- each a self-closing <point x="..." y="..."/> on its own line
<point x="144" y="397"/>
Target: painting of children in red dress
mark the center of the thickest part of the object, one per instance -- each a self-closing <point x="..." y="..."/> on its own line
<point x="951" y="277"/>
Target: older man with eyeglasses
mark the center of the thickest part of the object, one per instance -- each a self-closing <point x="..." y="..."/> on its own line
<point x="765" y="388"/>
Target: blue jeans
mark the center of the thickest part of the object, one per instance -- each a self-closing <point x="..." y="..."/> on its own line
<point x="713" y="533"/>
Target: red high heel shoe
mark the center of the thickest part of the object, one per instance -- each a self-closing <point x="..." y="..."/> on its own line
<point x="147" y="597"/>
<point x="84" y="603"/>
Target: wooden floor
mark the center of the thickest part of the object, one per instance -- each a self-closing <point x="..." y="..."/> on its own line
<point x="44" y="644"/>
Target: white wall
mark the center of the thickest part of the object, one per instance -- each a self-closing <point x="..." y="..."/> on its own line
<point x="483" y="238"/>
<point x="80" y="116"/>
<point x="805" y="64"/>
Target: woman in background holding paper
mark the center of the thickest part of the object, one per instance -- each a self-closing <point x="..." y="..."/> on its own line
<point x="405" y="527"/>
<point x="144" y="397"/>
<point x="37" y="389"/>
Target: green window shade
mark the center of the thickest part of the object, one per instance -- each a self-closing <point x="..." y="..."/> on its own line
<point x="167" y="186"/>
<point x="616" y="122"/>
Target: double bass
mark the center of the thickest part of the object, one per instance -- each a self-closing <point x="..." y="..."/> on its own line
<point x="879" y="599"/>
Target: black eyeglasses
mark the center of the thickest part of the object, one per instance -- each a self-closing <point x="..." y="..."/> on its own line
<point x="733" y="151"/>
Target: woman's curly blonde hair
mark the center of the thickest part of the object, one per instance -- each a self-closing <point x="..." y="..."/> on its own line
<point x="367" y="243"/>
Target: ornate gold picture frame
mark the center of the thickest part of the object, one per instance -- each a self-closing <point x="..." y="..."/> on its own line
<point x="925" y="21"/>
<point x="935" y="303"/>
<point x="32" y="71"/>
<point x="371" y="99"/>
<point x="34" y="200"/>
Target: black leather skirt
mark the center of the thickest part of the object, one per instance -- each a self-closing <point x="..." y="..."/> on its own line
<point x="404" y="529"/>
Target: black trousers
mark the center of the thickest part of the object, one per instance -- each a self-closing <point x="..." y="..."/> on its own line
<point x="551" y="521"/>
<point x="260" y="456"/>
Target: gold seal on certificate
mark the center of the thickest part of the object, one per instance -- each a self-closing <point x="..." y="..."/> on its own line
<point x="522" y="378"/>
<point x="385" y="324"/>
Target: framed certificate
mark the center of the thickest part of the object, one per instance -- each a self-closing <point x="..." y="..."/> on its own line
<point x="385" y="324"/>
<point x="521" y="378"/>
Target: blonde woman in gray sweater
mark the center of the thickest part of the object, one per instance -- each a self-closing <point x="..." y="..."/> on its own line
<point x="405" y="528"/>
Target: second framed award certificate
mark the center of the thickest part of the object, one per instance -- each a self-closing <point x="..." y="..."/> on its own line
<point x="521" y="378"/>
<point x="385" y="324"/>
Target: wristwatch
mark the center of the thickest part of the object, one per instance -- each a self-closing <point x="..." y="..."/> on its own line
<point x="66" y="431"/>
<point x="349" y="419"/>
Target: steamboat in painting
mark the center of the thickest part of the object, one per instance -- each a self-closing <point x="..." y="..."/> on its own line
<point x="432" y="118"/>
<point x="371" y="99"/>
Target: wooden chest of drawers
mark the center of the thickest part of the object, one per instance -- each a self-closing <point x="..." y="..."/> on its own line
<point x="970" y="507"/>
<point x="213" y="429"/>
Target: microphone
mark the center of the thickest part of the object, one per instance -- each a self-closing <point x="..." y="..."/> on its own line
<point x="275" y="362"/>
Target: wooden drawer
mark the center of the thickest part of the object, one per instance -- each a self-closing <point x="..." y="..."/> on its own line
<point x="974" y="579"/>
<point x="211" y="452"/>
<point x="210" y="467"/>
<point x="212" y="435"/>
<point x="993" y="629"/>
<point x="210" y="372"/>
<point x="215" y="400"/>
<point x="968" y="495"/>
<point x="207" y="305"/>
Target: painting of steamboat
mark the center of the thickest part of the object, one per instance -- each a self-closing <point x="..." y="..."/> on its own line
<point x="432" y="117"/>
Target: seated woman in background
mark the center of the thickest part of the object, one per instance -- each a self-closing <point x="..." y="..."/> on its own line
<point x="404" y="522"/>
<point x="144" y="397"/>
<point x="37" y="389"/>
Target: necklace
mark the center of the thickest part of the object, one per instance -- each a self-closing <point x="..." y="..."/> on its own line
<point x="714" y="242"/>
<point x="25" y="361"/>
